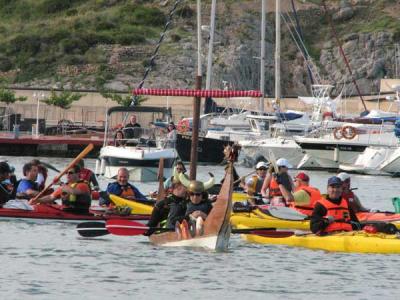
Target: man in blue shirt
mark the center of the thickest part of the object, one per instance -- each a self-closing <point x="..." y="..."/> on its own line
<point x="28" y="187"/>
<point x="123" y="189"/>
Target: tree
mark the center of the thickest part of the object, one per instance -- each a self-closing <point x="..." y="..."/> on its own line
<point x="122" y="99"/>
<point x="8" y="97"/>
<point x="63" y="99"/>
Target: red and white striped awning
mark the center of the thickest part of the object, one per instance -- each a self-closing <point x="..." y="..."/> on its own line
<point x="196" y="93"/>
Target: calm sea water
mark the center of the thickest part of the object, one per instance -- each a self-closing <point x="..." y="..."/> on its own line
<point x="50" y="261"/>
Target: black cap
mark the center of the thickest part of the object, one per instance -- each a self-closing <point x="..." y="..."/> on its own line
<point x="334" y="181"/>
<point x="4" y="168"/>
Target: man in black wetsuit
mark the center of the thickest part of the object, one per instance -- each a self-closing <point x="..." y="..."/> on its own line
<point x="169" y="210"/>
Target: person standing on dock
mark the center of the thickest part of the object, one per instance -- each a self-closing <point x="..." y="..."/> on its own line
<point x="28" y="187"/>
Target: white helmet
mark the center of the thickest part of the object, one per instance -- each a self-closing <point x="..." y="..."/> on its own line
<point x="343" y="176"/>
<point x="261" y="164"/>
<point x="283" y="162"/>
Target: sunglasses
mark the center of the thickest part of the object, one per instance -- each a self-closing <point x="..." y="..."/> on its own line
<point x="262" y="169"/>
<point x="195" y="194"/>
<point x="71" y="172"/>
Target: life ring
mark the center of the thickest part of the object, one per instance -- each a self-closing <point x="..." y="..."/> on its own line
<point x="183" y="125"/>
<point x="337" y="133"/>
<point x="349" y="132"/>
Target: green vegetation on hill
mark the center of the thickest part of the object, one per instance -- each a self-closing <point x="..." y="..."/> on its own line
<point x="37" y="36"/>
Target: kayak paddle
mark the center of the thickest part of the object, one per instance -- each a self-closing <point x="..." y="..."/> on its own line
<point x="92" y="229"/>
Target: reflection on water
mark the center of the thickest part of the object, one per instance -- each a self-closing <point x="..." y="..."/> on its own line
<point x="50" y="261"/>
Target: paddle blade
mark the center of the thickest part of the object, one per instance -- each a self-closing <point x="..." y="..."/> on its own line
<point x="125" y="227"/>
<point x="92" y="229"/>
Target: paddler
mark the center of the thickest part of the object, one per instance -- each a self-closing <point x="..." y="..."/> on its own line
<point x="254" y="184"/>
<point x="75" y="194"/>
<point x="87" y="175"/>
<point x="274" y="180"/>
<point x="122" y="188"/>
<point x="5" y="192"/>
<point x="304" y="196"/>
<point x="354" y="201"/>
<point x="179" y="168"/>
<point x="42" y="173"/>
<point x="28" y="187"/>
<point x="333" y="212"/>
<point x="170" y="210"/>
<point x="198" y="207"/>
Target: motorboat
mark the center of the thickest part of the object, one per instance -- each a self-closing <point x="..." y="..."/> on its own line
<point x="140" y="149"/>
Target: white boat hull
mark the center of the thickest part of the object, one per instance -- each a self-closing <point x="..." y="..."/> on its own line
<point x="142" y="163"/>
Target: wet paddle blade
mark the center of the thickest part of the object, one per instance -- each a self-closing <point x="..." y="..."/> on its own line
<point x="92" y="229"/>
<point x="125" y="227"/>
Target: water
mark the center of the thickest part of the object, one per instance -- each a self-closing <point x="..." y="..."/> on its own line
<point x="50" y="261"/>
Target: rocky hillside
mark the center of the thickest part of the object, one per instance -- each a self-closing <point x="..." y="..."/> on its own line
<point x="107" y="44"/>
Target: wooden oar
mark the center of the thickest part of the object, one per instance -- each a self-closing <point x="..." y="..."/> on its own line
<point x="132" y="228"/>
<point x="57" y="178"/>
<point x="161" y="190"/>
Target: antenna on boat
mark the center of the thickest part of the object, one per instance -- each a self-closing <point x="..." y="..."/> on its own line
<point x="277" y="51"/>
<point x="262" y="56"/>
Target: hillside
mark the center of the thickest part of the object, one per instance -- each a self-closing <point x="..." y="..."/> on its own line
<point x="107" y="44"/>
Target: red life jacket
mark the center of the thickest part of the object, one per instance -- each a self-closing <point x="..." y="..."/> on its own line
<point x="340" y="213"/>
<point x="273" y="189"/>
<point x="314" y="194"/>
<point x="85" y="174"/>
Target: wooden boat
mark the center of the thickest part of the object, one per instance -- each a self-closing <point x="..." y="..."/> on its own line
<point x="216" y="227"/>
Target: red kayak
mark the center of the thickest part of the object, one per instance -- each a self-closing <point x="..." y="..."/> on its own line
<point x="378" y="216"/>
<point x="56" y="212"/>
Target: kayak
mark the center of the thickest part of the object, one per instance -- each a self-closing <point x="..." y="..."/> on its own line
<point x="354" y="242"/>
<point x="56" y="212"/>
<point x="259" y="218"/>
<point x="138" y="208"/>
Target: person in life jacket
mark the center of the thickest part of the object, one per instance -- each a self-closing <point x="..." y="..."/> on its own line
<point x="122" y="188"/>
<point x="254" y="184"/>
<point x="170" y="210"/>
<point x="354" y="201"/>
<point x="28" y="187"/>
<point x="304" y="196"/>
<point x="75" y="194"/>
<point x="42" y="173"/>
<point x="88" y="176"/>
<point x="273" y="181"/>
<point x="5" y="192"/>
<point x="333" y="212"/>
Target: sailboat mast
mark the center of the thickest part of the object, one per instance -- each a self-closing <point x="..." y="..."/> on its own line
<point x="277" y="51"/>
<point x="262" y="62"/>
<point x="196" y="101"/>
<point x="211" y="45"/>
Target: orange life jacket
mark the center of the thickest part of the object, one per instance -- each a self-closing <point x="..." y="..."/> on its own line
<point x="314" y="194"/>
<point x="340" y="213"/>
<point x="127" y="191"/>
<point x="273" y="188"/>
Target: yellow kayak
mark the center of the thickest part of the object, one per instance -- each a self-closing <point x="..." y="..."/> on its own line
<point x="254" y="219"/>
<point x="355" y="241"/>
<point x="259" y="219"/>
<point x="137" y="207"/>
